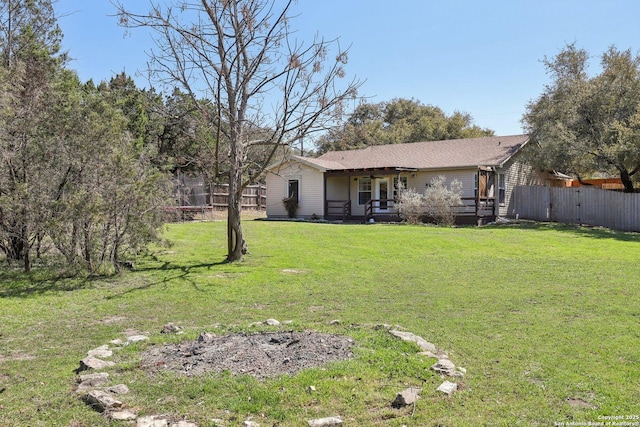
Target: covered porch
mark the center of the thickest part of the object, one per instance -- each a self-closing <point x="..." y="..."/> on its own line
<point x="371" y="194"/>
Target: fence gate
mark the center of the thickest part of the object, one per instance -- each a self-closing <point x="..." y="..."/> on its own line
<point x="568" y="206"/>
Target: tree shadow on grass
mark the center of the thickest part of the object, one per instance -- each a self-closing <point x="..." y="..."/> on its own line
<point x="14" y="283"/>
<point x="17" y="284"/>
<point x="594" y="232"/>
<point x="182" y="272"/>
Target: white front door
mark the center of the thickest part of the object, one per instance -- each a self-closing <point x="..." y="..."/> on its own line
<point x="382" y="193"/>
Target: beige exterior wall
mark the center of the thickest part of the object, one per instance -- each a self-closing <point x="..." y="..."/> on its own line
<point x="337" y="188"/>
<point x="311" y="189"/>
<point x="515" y="173"/>
<point x="465" y="176"/>
<point x="415" y="180"/>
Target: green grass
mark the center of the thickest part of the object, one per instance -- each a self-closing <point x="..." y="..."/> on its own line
<point x="542" y="316"/>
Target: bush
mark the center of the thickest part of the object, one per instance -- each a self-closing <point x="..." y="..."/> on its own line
<point x="291" y="205"/>
<point x="411" y="205"/>
<point x="441" y="202"/>
<point x="438" y="202"/>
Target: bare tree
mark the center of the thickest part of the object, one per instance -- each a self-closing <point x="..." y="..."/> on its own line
<point x="269" y="88"/>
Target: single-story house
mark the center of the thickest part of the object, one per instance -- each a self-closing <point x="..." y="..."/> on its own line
<point x="360" y="185"/>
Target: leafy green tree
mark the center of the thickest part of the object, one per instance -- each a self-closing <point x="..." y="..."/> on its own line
<point x="187" y="142"/>
<point x="31" y="65"/>
<point x="29" y="30"/>
<point x="142" y="108"/>
<point x="268" y="89"/>
<point x="75" y="160"/>
<point x="584" y="124"/>
<point x="398" y="121"/>
<point x="110" y="195"/>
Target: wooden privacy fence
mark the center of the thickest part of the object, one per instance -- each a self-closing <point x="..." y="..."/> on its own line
<point x="192" y="193"/>
<point x="254" y="197"/>
<point x="579" y="205"/>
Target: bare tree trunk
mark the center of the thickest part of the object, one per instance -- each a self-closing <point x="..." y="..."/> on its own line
<point x="14" y="249"/>
<point x="26" y="250"/>
<point x="87" y="245"/>
<point x="235" y="238"/>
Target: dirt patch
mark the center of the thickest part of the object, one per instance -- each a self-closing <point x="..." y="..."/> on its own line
<point x="580" y="403"/>
<point x="20" y="357"/>
<point x="114" y="319"/>
<point x="261" y="355"/>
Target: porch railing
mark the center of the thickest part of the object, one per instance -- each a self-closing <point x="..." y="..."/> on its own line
<point x="376" y="208"/>
<point x="470" y="207"/>
<point x="479" y="207"/>
<point x="379" y="207"/>
<point x="338" y="208"/>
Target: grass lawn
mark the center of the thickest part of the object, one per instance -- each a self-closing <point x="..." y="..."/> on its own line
<point x="545" y="318"/>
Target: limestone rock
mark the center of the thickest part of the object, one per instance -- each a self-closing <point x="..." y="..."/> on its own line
<point x="136" y="338"/>
<point x="152" y="421"/>
<point x="101" y="400"/>
<point x="91" y="381"/>
<point x="122" y="415"/>
<point x="272" y="322"/>
<point x="118" y="389"/>
<point x="248" y="423"/>
<point x="406" y="397"/>
<point x="118" y="342"/>
<point x="444" y="367"/>
<point x="325" y="422"/>
<point x="184" y="424"/>
<point x="85" y="387"/>
<point x="448" y="387"/>
<point x="408" y="336"/>
<point x="102" y="351"/>
<point x="94" y="363"/>
<point x="98" y="377"/>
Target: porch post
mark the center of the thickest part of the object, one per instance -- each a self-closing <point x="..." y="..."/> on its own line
<point x="324" y="191"/>
<point x="496" y="193"/>
<point x="477" y="193"/>
<point x="349" y="193"/>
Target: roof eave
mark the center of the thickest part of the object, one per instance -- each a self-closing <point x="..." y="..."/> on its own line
<point x="515" y="153"/>
<point x="300" y="159"/>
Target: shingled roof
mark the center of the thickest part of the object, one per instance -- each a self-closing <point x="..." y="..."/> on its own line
<point x="448" y="154"/>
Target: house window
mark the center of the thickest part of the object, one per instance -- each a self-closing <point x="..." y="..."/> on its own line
<point x="364" y="190"/>
<point x="293" y="190"/>
<point x="403" y="183"/>
<point x="502" y="188"/>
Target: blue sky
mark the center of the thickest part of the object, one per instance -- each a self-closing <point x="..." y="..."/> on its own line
<point x="482" y="57"/>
